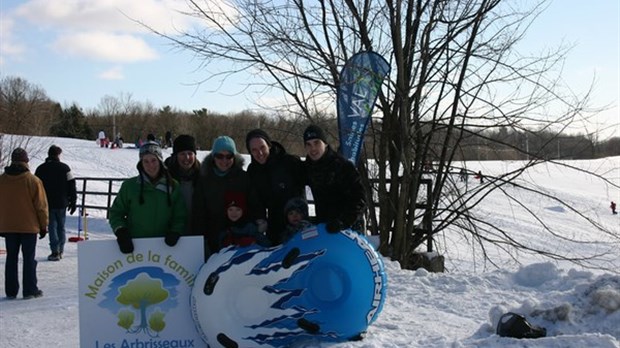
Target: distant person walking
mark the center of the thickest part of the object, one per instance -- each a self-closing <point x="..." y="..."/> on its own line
<point x="168" y="138"/>
<point x="101" y="138"/>
<point x="613" y="207"/>
<point x="480" y="177"/>
<point x="463" y="174"/>
<point x="61" y="195"/>
<point x="23" y="215"/>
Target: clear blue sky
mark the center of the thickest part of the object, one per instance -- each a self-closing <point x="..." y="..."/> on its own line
<point x="81" y="50"/>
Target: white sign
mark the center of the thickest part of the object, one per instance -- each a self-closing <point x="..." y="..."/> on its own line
<point x="140" y="299"/>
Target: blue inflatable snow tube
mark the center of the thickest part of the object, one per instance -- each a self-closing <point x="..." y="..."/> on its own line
<point x="317" y="286"/>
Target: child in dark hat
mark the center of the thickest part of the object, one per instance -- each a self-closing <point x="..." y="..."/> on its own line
<point x="239" y="231"/>
<point x="296" y="212"/>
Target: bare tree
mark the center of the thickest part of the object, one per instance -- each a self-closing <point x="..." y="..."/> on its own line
<point x="25" y="108"/>
<point x="456" y="74"/>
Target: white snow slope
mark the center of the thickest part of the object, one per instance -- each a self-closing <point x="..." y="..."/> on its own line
<point x="579" y="307"/>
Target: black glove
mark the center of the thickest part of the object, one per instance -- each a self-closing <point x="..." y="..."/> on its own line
<point x="124" y="240"/>
<point x="334" y="226"/>
<point x="71" y="208"/>
<point x="43" y="233"/>
<point x="172" y="238"/>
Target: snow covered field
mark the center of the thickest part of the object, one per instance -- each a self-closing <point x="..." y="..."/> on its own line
<point x="579" y="307"/>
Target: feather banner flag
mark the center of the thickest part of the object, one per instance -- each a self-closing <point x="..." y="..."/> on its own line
<point x="360" y="83"/>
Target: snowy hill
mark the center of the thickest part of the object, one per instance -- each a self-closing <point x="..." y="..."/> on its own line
<point x="579" y="307"/>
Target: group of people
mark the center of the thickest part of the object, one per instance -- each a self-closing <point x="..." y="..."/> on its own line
<point x="218" y="199"/>
<point x="32" y="204"/>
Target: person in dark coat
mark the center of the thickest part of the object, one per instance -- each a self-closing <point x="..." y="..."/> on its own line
<point x="276" y="176"/>
<point x="339" y="197"/>
<point x="59" y="186"/>
<point x="184" y="167"/>
<point x="239" y="230"/>
<point x="23" y="215"/>
<point x="221" y="171"/>
<point x="296" y="212"/>
<point x="168" y="139"/>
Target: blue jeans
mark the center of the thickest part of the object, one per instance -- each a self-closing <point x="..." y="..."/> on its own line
<point x="28" y="243"/>
<point x="56" y="230"/>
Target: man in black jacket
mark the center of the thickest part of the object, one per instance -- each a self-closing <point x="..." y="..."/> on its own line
<point x="339" y="198"/>
<point x="277" y="176"/>
<point x="61" y="195"/>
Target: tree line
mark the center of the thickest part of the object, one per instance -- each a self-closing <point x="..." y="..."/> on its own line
<point x="27" y="110"/>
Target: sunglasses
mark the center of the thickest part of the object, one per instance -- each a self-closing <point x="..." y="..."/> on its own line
<point x="222" y="156"/>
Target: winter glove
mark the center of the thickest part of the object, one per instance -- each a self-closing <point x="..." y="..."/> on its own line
<point x="334" y="226"/>
<point x="124" y="240"/>
<point x="172" y="238"/>
<point x="43" y="233"/>
<point x="71" y="208"/>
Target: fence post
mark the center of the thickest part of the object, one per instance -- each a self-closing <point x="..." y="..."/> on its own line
<point x="83" y="193"/>
<point x="107" y="212"/>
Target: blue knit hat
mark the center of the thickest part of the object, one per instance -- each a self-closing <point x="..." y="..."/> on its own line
<point x="224" y="143"/>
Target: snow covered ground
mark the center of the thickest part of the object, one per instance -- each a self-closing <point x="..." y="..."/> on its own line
<point x="579" y="307"/>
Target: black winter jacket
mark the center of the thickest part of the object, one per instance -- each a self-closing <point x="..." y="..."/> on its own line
<point x="336" y="188"/>
<point x="208" y="211"/>
<point x="281" y="178"/>
<point x="59" y="183"/>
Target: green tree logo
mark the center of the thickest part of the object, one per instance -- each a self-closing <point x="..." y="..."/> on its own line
<point x="141" y="293"/>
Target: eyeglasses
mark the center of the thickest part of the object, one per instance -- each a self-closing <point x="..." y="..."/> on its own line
<point x="222" y="156"/>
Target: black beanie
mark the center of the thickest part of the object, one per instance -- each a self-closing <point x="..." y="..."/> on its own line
<point x="54" y="151"/>
<point x="314" y="132"/>
<point x="19" y="155"/>
<point x="257" y="133"/>
<point x="184" y="142"/>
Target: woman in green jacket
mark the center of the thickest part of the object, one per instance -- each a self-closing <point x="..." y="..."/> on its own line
<point x="148" y="205"/>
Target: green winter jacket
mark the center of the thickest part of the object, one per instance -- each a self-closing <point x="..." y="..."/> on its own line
<point x="153" y="218"/>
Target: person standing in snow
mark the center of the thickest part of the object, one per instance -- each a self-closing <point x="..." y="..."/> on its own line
<point x="276" y="176"/>
<point x="184" y="167"/>
<point x="168" y="139"/>
<point x="61" y="195"/>
<point x="336" y="185"/>
<point x="148" y="205"/>
<point x="479" y="176"/>
<point x="221" y="171"/>
<point x="23" y="215"/>
<point x="613" y="207"/>
<point x="463" y="174"/>
<point x="101" y="138"/>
